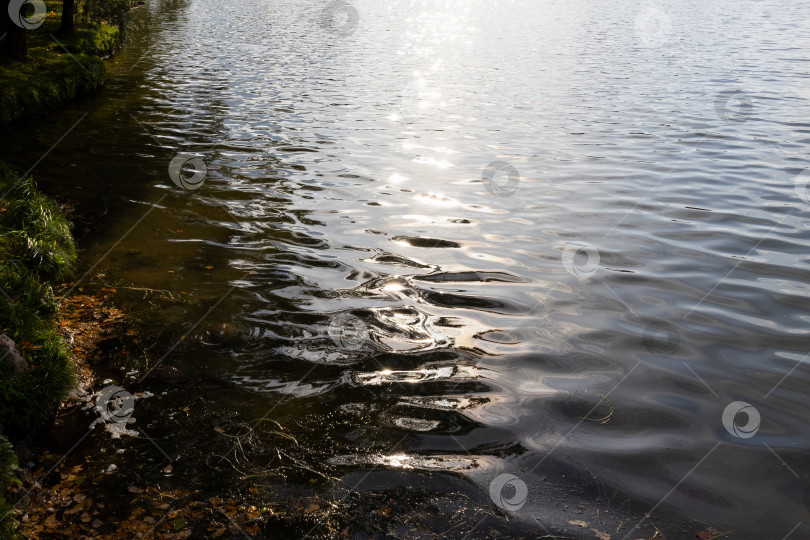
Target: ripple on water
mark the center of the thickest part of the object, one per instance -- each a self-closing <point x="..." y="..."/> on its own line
<point x="347" y="178"/>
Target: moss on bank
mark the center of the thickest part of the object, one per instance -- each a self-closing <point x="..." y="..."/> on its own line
<point x="35" y="247"/>
<point x="61" y="67"/>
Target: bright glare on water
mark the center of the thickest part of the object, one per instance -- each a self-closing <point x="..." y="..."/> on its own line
<point x="446" y="241"/>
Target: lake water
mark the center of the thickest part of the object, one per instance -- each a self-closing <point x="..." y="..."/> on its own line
<point x="451" y="240"/>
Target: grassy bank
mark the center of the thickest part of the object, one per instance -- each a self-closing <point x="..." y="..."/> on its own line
<point x="36" y="371"/>
<point x="61" y="66"/>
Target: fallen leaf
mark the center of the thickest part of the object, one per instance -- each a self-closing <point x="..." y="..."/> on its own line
<point x="51" y="522"/>
<point x="579" y="523"/>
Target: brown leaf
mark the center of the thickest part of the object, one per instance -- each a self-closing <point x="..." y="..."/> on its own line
<point x="51" y="522"/>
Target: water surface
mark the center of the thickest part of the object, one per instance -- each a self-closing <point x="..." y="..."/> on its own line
<point x="583" y="327"/>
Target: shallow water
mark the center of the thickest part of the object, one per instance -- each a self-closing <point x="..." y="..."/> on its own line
<point x="590" y="317"/>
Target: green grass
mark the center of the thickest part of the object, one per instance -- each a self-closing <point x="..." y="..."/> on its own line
<point x="35" y="247"/>
<point x="60" y="67"/>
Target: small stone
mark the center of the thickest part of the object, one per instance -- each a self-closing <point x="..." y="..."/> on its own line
<point x="11" y="358"/>
<point x="225" y="334"/>
<point x="168" y="375"/>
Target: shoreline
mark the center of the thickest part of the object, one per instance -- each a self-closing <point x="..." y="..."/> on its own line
<point x="37" y="371"/>
<point x="41" y="369"/>
<point x="60" y="67"/>
<point x="189" y="466"/>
